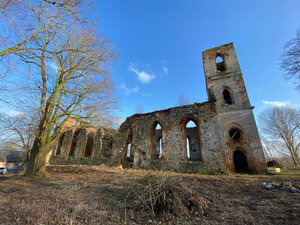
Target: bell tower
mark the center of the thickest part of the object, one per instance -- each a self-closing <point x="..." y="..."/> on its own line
<point x="225" y="86"/>
<point x="224" y="80"/>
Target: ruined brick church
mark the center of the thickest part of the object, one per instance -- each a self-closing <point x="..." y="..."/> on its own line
<point x="223" y="136"/>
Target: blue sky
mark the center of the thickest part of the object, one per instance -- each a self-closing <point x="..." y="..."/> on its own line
<point x="160" y="43"/>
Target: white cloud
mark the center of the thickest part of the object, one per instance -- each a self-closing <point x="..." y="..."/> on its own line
<point x="166" y="70"/>
<point x="15" y="113"/>
<point x="128" y="91"/>
<point x="12" y="112"/>
<point x="146" y="95"/>
<point x="275" y="103"/>
<point x="53" y="66"/>
<point x="142" y="75"/>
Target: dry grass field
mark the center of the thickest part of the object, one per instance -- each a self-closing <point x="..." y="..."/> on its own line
<point x="96" y="195"/>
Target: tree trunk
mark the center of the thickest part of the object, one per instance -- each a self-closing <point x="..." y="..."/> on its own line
<point x="37" y="160"/>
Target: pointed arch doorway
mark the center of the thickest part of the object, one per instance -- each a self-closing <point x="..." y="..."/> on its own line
<point x="240" y="162"/>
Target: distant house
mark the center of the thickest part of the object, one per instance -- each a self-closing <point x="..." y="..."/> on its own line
<point x="12" y="159"/>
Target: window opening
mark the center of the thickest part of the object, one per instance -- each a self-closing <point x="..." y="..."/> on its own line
<point x="235" y="134"/>
<point x="156" y="141"/>
<point x="219" y="59"/>
<point x="227" y="97"/>
<point x="220" y="63"/>
<point x="109" y="149"/>
<point x="128" y="150"/>
<point x="74" y="143"/>
<point x="89" y="145"/>
<point x="160" y="148"/>
<point x="60" y="142"/>
<point x="192" y="141"/>
<point x="188" y="148"/>
<point x="191" y="124"/>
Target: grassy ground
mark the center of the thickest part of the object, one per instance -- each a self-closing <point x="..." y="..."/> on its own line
<point x="88" y="195"/>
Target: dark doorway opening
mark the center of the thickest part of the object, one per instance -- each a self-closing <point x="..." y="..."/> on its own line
<point x="240" y="162"/>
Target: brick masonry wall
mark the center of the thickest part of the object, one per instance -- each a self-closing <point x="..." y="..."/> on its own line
<point x="172" y="122"/>
<point x="76" y="140"/>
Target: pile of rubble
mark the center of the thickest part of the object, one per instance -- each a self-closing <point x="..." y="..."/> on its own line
<point x="284" y="186"/>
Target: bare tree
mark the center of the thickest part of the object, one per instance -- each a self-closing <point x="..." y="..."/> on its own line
<point x="18" y="130"/>
<point x="69" y="77"/>
<point x="182" y="100"/>
<point x="282" y="125"/>
<point x="267" y="148"/>
<point x="291" y="59"/>
<point x="22" y="22"/>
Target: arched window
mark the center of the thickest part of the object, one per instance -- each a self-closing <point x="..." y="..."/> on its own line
<point x="89" y="145"/>
<point x="220" y="63"/>
<point x="129" y="148"/>
<point x="227" y="97"/>
<point x="235" y="134"/>
<point x="74" y="143"/>
<point x="109" y="149"/>
<point x="192" y="141"/>
<point x="156" y="141"/>
<point x="188" y="148"/>
<point x="160" y="148"/>
<point x="60" y="142"/>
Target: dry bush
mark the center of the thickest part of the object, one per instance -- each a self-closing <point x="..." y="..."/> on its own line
<point x="158" y="194"/>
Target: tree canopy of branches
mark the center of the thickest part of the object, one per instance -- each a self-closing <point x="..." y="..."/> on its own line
<point x="18" y="131"/>
<point x="69" y="65"/>
<point x="291" y="59"/>
<point x="282" y="125"/>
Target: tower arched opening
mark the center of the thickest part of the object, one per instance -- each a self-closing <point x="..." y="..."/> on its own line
<point x="220" y="63"/>
<point x="227" y="97"/>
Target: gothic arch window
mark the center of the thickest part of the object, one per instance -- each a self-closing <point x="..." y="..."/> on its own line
<point x="74" y="143"/>
<point x="156" y="141"/>
<point x="188" y="154"/>
<point x="227" y="97"/>
<point x="235" y="134"/>
<point x="109" y="149"/>
<point x="89" y="145"/>
<point x="191" y="140"/>
<point x="129" y="150"/>
<point x="220" y="64"/>
<point x="60" y="142"/>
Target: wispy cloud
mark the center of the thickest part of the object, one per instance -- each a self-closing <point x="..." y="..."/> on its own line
<point x="164" y="68"/>
<point x="12" y="112"/>
<point x="128" y="91"/>
<point x="53" y="66"/>
<point x="146" y="95"/>
<point x="143" y="76"/>
<point x="276" y="103"/>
